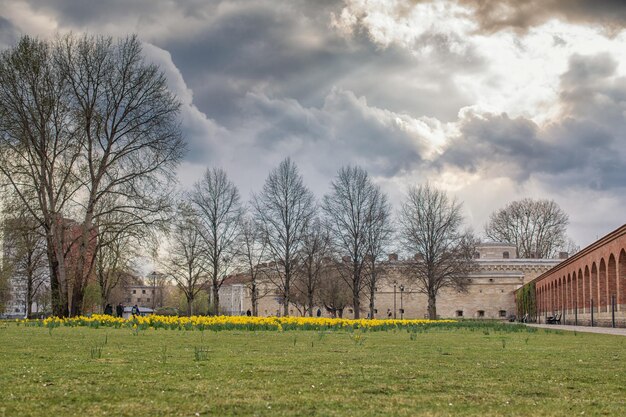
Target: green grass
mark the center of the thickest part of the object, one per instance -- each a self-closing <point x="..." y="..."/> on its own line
<point x="84" y="372"/>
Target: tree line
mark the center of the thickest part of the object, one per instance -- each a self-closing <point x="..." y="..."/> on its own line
<point x="89" y="131"/>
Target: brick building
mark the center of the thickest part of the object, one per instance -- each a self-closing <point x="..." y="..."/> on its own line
<point x="590" y="287"/>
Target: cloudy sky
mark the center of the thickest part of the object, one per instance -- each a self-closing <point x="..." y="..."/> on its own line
<point x="493" y="101"/>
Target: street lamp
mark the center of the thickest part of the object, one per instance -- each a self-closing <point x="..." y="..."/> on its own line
<point x="401" y="304"/>
<point x="394" y="299"/>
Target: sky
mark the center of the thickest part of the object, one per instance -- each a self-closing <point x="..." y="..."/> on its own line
<point x="490" y="101"/>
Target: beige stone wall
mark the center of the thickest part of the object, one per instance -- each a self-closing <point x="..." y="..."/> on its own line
<point x="491" y="291"/>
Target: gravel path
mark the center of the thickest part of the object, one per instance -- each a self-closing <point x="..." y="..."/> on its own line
<point x="588" y="329"/>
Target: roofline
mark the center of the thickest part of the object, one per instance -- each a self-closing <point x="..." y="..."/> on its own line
<point x="584" y="252"/>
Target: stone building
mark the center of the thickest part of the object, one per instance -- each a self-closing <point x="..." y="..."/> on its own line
<point x="490" y="291"/>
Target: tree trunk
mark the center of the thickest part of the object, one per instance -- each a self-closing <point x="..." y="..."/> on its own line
<point x="286" y="298"/>
<point x="310" y="301"/>
<point x="356" y="302"/>
<point x="189" y="306"/>
<point x="57" y="298"/>
<point x="432" y="306"/>
<point x="78" y="295"/>
<point x="254" y="300"/>
<point x="216" y="299"/>
<point x="29" y="296"/>
<point x="372" y="302"/>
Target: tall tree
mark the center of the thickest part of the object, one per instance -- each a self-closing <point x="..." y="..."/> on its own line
<point x="379" y="233"/>
<point x="314" y="258"/>
<point x="252" y="253"/>
<point x="536" y="227"/>
<point x="352" y="209"/>
<point x="431" y="228"/>
<point x="186" y="263"/>
<point x="30" y="263"/>
<point x="283" y="209"/>
<point x="131" y="142"/>
<point x="217" y="202"/>
<point x="39" y="146"/>
<point x="87" y="128"/>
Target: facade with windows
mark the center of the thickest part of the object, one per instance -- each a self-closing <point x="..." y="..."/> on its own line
<point x="489" y="294"/>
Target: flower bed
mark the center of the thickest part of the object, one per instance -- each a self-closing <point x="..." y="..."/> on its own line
<point x="218" y="323"/>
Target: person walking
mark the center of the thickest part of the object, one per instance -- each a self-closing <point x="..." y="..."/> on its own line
<point x="135" y="310"/>
<point x="119" y="310"/>
<point x="108" y="310"/>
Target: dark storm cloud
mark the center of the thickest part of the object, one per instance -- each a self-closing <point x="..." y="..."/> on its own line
<point x="493" y="16"/>
<point x="586" y="147"/>
<point x="344" y="130"/>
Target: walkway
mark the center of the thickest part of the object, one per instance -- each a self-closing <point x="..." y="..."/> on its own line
<point x="588" y="329"/>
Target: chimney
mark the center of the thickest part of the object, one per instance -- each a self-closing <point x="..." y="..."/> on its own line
<point x="393" y="257"/>
<point x="563" y="255"/>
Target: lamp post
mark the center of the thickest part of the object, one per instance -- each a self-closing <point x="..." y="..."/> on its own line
<point x="401" y="304"/>
<point x="394" y="299"/>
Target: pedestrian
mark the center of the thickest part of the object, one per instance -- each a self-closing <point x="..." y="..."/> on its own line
<point x="248" y="313"/>
<point x="319" y="313"/>
<point x="119" y="310"/>
<point x="108" y="310"/>
<point x="389" y="313"/>
<point x="135" y="310"/>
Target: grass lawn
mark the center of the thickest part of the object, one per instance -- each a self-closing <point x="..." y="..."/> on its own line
<point x="189" y="373"/>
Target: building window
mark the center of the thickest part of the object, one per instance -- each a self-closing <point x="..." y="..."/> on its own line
<point x="502" y="313"/>
<point x="490" y="279"/>
<point x="476" y="255"/>
<point x="481" y="313"/>
<point x="143" y="291"/>
<point x="147" y="300"/>
<point x="505" y="255"/>
<point x="128" y="300"/>
<point x="459" y="313"/>
<point x="139" y="300"/>
<point x="134" y="291"/>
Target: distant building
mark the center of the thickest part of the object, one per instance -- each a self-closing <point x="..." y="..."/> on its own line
<point x="490" y="291"/>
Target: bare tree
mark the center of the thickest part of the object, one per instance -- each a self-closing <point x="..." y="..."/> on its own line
<point x="87" y="128"/>
<point x="283" y="209"/>
<point x="333" y="292"/>
<point x="352" y="209"/>
<point x="131" y="141"/>
<point x="314" y="257"/>
<point x="114" y="264"/>
<point x="186" y="263"/>
<point x="431" y="228"/>
<point x="39" y="146"/>
<point x="536" y="227"/>
<point x="25" y="252"/>
<point x="217" y="202"/>
<point x="379" y="232"/>
<point x="252" y="253"/>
